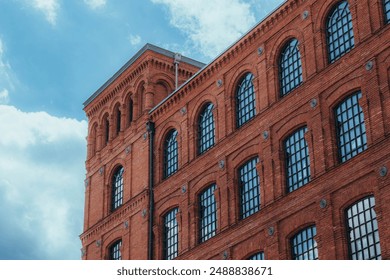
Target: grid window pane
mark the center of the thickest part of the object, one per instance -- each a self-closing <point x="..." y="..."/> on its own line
<point x="249" y="188"/>
<point x="290" y="67"/>
<point x="386" y="4"/>
<point x="304" y="245"/>
<point x="351" y="130"/>
<point x="363" y="234"/>
<point x="339" y="31"/>
<point x="171" y="235"/>
<point x="206" y="129"/>
<point x="170" y="154"/>
<point x="257" y="256"/>
<point x="115" y="251"/>
<point x="245" y="100"/>
<point x="208" y="214"/>
<point x="297" y="160"/>
<point x="117" y="189"/>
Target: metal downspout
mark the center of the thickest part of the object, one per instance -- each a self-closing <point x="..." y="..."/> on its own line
<point x="150" y="129"/>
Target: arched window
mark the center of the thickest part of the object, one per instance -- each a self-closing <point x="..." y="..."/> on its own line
<point x="130" y="111"/>
<point x="297" y="160"/>
<point x="386" y="4"/>
<point x="106" y="128"/>
<point x="245" y="100"/>
<point x="249" y="185"/>
<point x="207" y="214"/>
<point x="304" y="245"/>
<point x="340" y="38"/>
<point x="115" y="251"/>
<point x="117" y="189"/>
<point x="171" y="154"/>
<point x="170" y="235"/>
<point x="257" y="256"/>
<point x="362" y="231"/>
<point x="206" y="129"/>
<point x="351" y="130"/>
<point x="290" y="67"/>
<point x="118" y="118"/>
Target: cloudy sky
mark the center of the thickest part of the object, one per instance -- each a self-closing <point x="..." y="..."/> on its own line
<point x="54" y="54"/>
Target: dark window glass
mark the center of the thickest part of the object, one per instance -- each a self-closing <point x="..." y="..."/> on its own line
<point x="245" y="100"/>
<point x="206" y="129"/>
<point x="118" y="120"/>
<point x="106" y="130"/>
<point x="290" y="67"/>
<point x="208" y="214"/>
<point x="257" y="256"/>
<point x="117" y="189"/>
<point x="351" y="130"/>
<point x="339" y="31"/>
<point x="297" y="160"/>
<point x="304" y="245"/>
<point x="171" y="235"/>
<point x="386" y="4"/>
<point x="130" y="111"/>
<point x="363" y="234"/>
<point x="249" y="188"/>
<point x="170" y="154"/>
<point x="115" y="250"/>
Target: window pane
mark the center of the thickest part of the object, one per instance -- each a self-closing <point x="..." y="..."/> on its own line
<point x="351" y="130"/>
<point x="170" y="154"/>
<point x="245" y="100"/>
<point x="363" y="234"/>
<point x="249" y="188"/>
<point x="290" y="67"/>
<point x="304" y="245"/>
<point x="206" y="129"/>
<point x="117" y="189"/>
<point x="297" y="160"/>
<point x="115" y="251"/>
<point x="171" y="235"/>
<point x="208" y="214"/>
<point x="339" y="31"/>
<point x="386" y="4"/>
<point x="257" y="256"/>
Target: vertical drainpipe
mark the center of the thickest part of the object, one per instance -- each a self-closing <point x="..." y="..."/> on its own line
<point x="177" y="60"/>
<point x="150" y="129"/>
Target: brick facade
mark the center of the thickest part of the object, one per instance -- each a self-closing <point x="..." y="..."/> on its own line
<point x="147" y="85"/>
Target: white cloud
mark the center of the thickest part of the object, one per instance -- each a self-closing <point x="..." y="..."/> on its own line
<point x="211" y="25"/>
<point x="4" y="96"/>
<point x="41" y="184"/>
<point x="95" y="4"/>
<point x="49" y="8"/>
<point x="135" y="40"/>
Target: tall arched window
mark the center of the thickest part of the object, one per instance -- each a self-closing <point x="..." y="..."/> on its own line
<point x="115" y="251"/>
<point x="171" y="154"/>
<point x="206" y="129"/>
<point x="207" y="214"/>
<point x="340" y="38"/>
<point x="130" y="111"/>
<point x="118" y="117"/>
<point x="362" y="231"/>
<point x="386" y="5"/>
<point x="290" y="67"/>
<point x="170" y="235"/>
<point x="304" y="245"/>
<point x="249" y="185"/>
<point x="351" y="130"/>
<point x="117" y="189"/>
<point x="245" y="100"/>
<point x="297" y="160"/>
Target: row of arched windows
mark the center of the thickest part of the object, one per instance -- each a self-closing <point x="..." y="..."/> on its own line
<point x="361" y="231"/>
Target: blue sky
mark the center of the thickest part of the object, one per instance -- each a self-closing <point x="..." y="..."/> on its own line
<point x="54" y="54"/>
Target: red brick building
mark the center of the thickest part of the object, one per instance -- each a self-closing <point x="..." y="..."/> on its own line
<point x="277" y="149"/>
